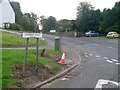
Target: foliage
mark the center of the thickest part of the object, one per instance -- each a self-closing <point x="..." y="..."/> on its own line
<point x="27" y="21"/>
<point x="16" y="27"/>
<point x="110" y="20"/>
<point x="87" y="17"/>
<point x="48" y="23"/>
<point x="64" y="25"/>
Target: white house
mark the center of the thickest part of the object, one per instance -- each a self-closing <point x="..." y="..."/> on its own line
<point x="7" y="14"/>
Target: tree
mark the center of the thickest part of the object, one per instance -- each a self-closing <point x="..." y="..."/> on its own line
<point x="83" y="16"/>
<point x="28" y="21"/>
<point x="64" y="25"/>
<point x="48" y="23"/>
<point x="110" y="20"/>
<point x="18" y="14"/>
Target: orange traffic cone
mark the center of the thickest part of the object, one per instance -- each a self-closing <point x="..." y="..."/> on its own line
<point x="62" y="61"/>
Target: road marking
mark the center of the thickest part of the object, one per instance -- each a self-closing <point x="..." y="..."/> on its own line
<point x="109" y="61"/>
<point x="85" y="53"/>
<point x="105" y="57"/>
<point x="114" y="60"/>
<point x="86" y="56"/>
<point x="118" y="63"/>
<point x="102" y="82"/>
<point x="97" y="56"/>
<point x="90" y="54"/>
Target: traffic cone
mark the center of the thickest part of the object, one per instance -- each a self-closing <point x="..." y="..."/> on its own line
<point x="62" y="61"/>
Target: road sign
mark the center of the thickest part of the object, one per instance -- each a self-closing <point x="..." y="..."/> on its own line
<point x="32" y="35"/>
<point x="27" y="36"/>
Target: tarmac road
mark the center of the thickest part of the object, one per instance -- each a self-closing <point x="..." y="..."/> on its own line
<point x="99" y="61"/>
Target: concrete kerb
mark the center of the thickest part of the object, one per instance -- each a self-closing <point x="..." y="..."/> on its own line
<point x="55" y="77"/>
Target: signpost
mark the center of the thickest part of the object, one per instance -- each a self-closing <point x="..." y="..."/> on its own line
<point x="27" y="36"/>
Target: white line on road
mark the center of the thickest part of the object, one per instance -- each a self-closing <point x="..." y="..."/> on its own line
<point x="109" y="61"/>
<point x="85" y="53"/>
<point x="90" y="54"/>
<point x="86" y="56"/>
<point x="97" y="56"/>
<point x="114" y="60"/>
<point x="118" y="63"/>
<point x="105" y="57"/>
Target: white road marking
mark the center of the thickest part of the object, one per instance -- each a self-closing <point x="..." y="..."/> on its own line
<point x="101" y="82"/>
<point x="118" y="63"/>
<point x="109" y="61"/>
<point x="86" y="56"/>
<point x="105" y="57"/>
<point x="85" y="53"/>
<point x="114" y="60"/>
<point x="97" y="56"/>
<point x="90" y="54"/>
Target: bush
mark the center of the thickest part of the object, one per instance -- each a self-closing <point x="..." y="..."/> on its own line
<point x="16" y="27"/>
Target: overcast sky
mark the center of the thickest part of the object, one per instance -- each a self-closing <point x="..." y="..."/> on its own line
<point x="60" y="9"/>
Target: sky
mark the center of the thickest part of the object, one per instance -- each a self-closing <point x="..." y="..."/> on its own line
<point x="60" y="9"/>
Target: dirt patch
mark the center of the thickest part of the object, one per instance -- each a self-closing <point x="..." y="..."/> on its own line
<point x="31" y="76"/>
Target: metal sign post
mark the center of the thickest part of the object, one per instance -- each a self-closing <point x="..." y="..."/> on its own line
<point x="25" y="56"/>
<point x="27" y="36"/>
<point x="37" y="55"/>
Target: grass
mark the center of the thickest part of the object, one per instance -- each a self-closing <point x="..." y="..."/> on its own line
<point x="14" y="40"/>
<point x="15" y="57"/>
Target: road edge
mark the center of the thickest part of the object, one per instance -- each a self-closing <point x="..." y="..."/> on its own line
<point x="54" y="77"/>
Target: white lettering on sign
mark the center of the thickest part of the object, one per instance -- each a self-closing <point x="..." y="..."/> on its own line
<point x="32" y="35"/>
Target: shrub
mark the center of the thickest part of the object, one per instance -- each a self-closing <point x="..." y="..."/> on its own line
<point x="16" y="27"/>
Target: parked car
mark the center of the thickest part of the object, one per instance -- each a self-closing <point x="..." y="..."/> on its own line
<point x="112" y="35"/>
<point x="92" y="34"/>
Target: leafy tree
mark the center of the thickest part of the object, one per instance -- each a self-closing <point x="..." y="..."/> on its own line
<point x="28" y="21"/>
<point x="48" y="23"/>
<point x="64" y="25"/>
<point x="17" y="10"/>
<point x="83" y="16"/>
<point x="110" y="20"/>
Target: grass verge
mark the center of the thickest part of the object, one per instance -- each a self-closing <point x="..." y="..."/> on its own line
<point x="14" y="40"/>
<point x="11" y="58"/>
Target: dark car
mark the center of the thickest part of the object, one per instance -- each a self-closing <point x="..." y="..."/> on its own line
<point x="92" y="34"/>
